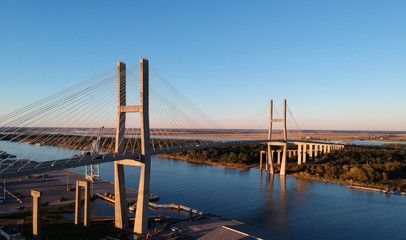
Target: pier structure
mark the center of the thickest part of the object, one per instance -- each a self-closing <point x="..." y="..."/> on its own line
<point x="78" y="203"/>
<point x="278" y="153"/>
<point x="36" y="214"/>
<point x="141" y="217"/>
<point x="306" y="150"/>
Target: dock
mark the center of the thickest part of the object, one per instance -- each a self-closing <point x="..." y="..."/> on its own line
<point x="170" y="206"/>
<point x="58" y="188"/>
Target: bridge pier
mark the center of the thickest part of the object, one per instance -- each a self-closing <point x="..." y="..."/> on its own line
<point x="311" y="151"/>
<point x="260" y="159"/>
<point x="78" y="205"/>
<point x="283" y="164"/>
<point x="36" y="214"/>
<point x="299" y="153"/>
<point x="269" y="162"/>
<point x="304" y="153"/>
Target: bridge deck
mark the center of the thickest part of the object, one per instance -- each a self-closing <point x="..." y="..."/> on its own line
<point x="33" y="167"/>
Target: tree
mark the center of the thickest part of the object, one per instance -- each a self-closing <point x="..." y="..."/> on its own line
<point x="232" y="157"/>
<point x="384" y="176"/>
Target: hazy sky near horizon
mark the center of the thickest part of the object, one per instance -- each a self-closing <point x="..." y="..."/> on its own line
<point x="341" y="64"/>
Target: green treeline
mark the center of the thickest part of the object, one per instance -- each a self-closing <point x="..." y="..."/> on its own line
<point x="366" y="165"/>
<point x="242" y="154"/>
<point x="379" y="166"/>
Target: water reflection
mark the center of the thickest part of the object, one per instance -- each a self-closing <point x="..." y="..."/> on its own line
<point x="276" y="202"/>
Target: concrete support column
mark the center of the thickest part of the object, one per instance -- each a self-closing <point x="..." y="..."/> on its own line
<point x="279" y="156"/>
<point x="86" y="222"/>
<point x="266" y="162"/>
<point x="120" y="206"/>
<point x="315" y="150"/>
<point x="299" y="153"/>
<point x="270" y="158"/>
<point x="78" y="207"/>
<point x="36" y="214"/>
<point x="261" y="153"/>
<point x="285" y="138"/>
<point x="311" y="151"/>
<point x="260" y="161"/>
<point x="304" y="153"/>
<point x="78" y="204"/>
<point x="283" y="165"/>
<point x="141" y="214"/>
<point x="121" y="216"/>
<point x="270" y="152"/>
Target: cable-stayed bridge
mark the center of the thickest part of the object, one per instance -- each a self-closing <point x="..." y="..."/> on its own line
<point x="93" y="118"/>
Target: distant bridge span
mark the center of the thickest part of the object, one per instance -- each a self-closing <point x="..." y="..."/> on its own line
<point x="32" y="167"/>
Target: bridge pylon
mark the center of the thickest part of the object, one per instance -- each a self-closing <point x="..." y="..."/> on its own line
<point x="141" y="217"/>
<point x="269" y="161"/>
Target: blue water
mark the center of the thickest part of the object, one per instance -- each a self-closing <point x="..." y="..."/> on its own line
<point x="286" y="206"/>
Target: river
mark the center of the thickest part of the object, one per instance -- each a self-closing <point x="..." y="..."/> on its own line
<point x="286" y="206"/>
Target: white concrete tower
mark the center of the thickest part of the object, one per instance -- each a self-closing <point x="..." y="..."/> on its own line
<point x="285" y="138"/>
<point x="121" y="218"/>
<point x="141" y="217"/>
<point x="269" y="162"/>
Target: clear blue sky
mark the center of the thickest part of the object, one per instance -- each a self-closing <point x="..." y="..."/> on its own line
<point x="341" y="64"/>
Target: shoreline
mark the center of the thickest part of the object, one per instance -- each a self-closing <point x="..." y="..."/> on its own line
<point x="356" y="185"/>
<point x="300" y="175"/>
<point x="238" y="166"/>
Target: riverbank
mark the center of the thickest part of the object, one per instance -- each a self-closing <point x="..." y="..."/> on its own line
<point x="239" y="166"/>
<point x="391" y="185"/>
<point x="378" y="186"/>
